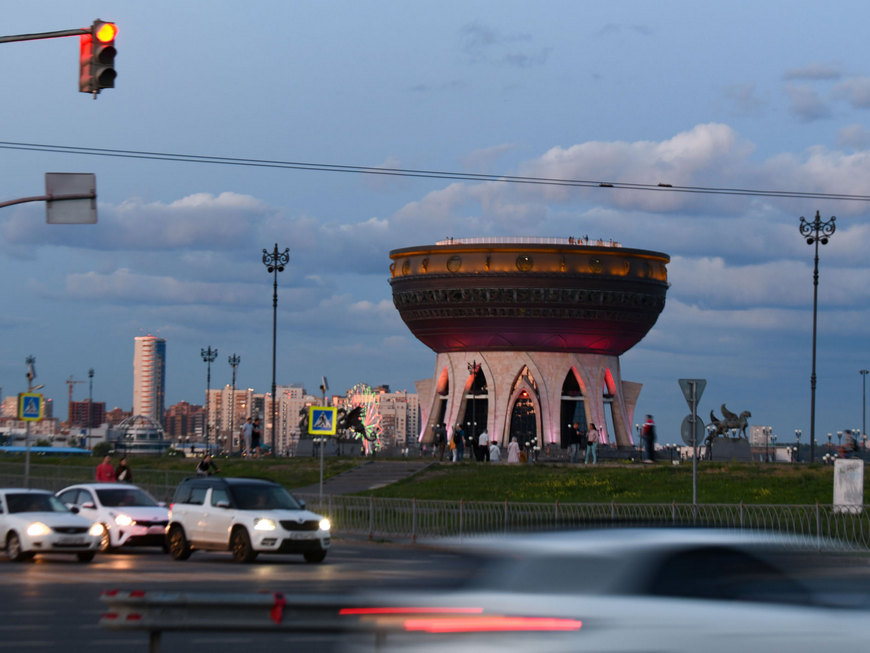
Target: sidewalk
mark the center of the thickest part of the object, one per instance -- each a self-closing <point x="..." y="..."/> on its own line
<point x="368" y="476"/>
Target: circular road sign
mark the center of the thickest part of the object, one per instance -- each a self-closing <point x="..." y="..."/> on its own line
<point x="686" y="430"/>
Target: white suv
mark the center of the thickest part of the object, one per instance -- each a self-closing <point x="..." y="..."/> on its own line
<point x="247" y="516"/>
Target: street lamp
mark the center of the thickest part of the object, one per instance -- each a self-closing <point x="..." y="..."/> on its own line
<point x="90" y="404"/>
<point x="773" y="437"/>
<point x="472" y="370"/>
<point x="275" y="262"/>
<point x="815" y="232"/>
<point x="208" y="356"/>
<point x="864" y="374"/>
<point x="797" y="436"/>
<point x="234" y="361"/>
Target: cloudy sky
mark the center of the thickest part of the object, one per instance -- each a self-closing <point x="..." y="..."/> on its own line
<point x="757" y="95"/>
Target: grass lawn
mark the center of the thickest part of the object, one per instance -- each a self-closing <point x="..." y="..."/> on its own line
<point x="663" y="483"/>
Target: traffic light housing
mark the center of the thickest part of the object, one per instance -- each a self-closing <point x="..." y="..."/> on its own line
<point x="97" y="57"/>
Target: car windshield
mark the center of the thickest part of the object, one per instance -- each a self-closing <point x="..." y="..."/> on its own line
<point x="116" y="498"/>
<point x="32" y="502"/>
<point x="263" y="497"/>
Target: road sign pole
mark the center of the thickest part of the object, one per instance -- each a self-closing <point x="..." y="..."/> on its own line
<point x="694" y="444"/>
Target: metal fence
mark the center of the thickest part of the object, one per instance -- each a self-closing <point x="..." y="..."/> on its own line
<point x="415" y="519"/>
<point x="161" y="483"/>
<point x="412" y="519"/>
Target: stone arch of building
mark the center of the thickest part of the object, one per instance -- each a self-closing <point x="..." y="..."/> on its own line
<point x="521" y="389"/>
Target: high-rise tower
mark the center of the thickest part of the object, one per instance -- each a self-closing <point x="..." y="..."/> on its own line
<point x="149" y="377"/>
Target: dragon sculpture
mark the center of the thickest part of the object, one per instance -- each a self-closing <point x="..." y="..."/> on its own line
<point x="730" y="421"/>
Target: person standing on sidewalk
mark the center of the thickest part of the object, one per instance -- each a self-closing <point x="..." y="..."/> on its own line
<point x="592" y="437"/>
<point x="649" y="439"/>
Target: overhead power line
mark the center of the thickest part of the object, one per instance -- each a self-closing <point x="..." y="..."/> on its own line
<point x="430" y="174"/>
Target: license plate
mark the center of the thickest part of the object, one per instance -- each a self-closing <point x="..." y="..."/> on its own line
<point x="71" y="540"/>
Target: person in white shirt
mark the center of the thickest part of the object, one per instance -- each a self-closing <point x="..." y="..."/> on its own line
<point x="483" y="446"/>
<point x="494" y="452"/>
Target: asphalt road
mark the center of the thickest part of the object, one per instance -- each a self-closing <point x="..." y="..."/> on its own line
<point x="53" y="604"/>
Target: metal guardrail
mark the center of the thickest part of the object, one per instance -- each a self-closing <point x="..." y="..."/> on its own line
<point x="161" y="483"/>
<point x="415" y="519"/>
<point x="160" y="612"/>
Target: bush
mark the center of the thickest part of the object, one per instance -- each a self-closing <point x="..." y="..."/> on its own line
<point x="102" y="449"/>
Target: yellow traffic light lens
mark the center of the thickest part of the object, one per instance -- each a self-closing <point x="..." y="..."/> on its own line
<point x="106" y="32"/>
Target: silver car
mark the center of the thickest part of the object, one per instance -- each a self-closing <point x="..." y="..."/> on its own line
<point x="635" y="590"/>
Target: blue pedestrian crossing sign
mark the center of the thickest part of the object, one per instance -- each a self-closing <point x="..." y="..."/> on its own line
<point x="30" y="406"/>
<point x="321" y="420"/>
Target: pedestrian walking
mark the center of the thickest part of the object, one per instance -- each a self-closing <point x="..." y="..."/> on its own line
<point x="247" y="434"/>
<point x="458" y="443"/>
<point x="574" y="440"/>
<point x="513" y="451"/>
<point x="649" y="439"/>
<point x="256" y="435"/>
<point x="592" y="437"/>
<point x="123" y="473"/>
<point x="494" y="452"/>
<point x="206" y="467"/>
<point x="105" y="472"/>
<point x="483" y="446"/>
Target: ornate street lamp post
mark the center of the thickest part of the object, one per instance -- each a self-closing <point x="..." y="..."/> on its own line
<point x="472" y="370"/>
<point x="234" y="361"/>
<point x="864" y="374"/>
<point x="275" y="262"/>
<point x="90" y="404"/>
<point x="208" y="356"/>
<point x="815" y="232"/>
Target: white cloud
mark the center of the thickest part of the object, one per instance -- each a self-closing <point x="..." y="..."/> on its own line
<point x="806" y="104"/>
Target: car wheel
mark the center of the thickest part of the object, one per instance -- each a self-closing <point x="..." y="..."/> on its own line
<point x="179" y="548"/>
<point x="13" y="548"/>
<point x="86" y="556"/>
<point x="240" y="545"/>
<point x="105" y="541"/>
<point x="315" y="556"/>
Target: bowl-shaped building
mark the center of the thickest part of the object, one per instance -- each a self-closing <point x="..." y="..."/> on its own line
<point x="528" y="333"/>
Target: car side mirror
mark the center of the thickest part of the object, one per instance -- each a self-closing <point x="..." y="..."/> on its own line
<point x="73" y="508"/>
<point x="301" y="504"/>
<point x="223" y="504"/>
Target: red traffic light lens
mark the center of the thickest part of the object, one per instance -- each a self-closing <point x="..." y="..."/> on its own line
<point x="106" y="32"/>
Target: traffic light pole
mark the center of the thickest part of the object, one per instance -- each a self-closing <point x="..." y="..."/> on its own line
<point x="44" y="35"/>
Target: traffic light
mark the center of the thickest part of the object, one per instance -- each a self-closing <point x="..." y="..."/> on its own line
<point x="97" y="57"/>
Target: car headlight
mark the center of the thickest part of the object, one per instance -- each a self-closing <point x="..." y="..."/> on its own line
<point x="123" y="520"/>
<point x="324" y="524"/>
<point x="96" y="529"/>
<point x="263" y="524"/>
<point x="37" y="528"/>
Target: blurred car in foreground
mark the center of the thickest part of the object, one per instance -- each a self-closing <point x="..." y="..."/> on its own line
<point x="129" y="515"/>
<point x="35" y="521"/>
<point x="635" y="590"/>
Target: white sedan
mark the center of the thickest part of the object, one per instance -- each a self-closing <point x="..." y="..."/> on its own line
<point x="35" y="521"/>
<point x="129" y="515"/>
